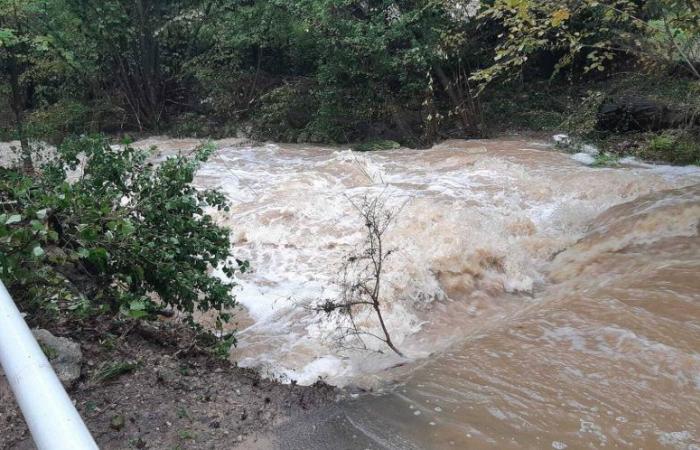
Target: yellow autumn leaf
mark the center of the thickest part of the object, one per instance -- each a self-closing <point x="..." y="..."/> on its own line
<point x="560" y="16"/>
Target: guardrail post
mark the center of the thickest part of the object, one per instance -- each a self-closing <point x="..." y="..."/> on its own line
<point x="50" y="414"/>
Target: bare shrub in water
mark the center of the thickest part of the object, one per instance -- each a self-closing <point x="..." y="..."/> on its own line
<point x="361" y="277"/>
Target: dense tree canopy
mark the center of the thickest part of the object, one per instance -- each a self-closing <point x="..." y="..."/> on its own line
<point x="314" y="70"/>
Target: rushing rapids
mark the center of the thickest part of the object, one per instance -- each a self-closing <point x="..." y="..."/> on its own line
<point x="541" y="303"/>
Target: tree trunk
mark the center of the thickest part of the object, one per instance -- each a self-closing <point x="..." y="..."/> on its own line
<point x="149" y="61"/>
<point x="27" y="163"/>
<point x="387" y="337"/>
<point x="17" y="104"/>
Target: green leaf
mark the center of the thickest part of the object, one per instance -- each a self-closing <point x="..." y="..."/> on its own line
<point x="137" y="314"/>
<point x="13" y="219"/>
<point x="127" y="227"/>
<point x="137" y="305"/>
<point x="38" y="251"/>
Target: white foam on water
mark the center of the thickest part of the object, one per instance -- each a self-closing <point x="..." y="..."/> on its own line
<point x="584" y="158"/>
<point x="476" y="218"/>
<point x="678" y="440"/>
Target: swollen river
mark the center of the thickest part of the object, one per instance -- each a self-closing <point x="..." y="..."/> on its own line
<point x="541" y="303"/>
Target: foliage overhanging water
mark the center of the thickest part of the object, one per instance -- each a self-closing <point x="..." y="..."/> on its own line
<point x="542" y="303"/>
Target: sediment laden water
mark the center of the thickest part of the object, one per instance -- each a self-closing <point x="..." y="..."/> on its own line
<point x="542" y="303"/>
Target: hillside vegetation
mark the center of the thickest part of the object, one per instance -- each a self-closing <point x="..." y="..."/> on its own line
<point x="344" y="71"/>
<point x="378" y="73"/>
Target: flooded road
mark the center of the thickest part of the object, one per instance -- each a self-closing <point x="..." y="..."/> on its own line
<point x="541" y="303"/>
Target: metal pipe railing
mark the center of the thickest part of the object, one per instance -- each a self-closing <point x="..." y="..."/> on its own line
<point x="50" y="415"/>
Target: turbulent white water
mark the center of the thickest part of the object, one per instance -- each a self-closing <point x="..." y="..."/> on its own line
<point x="541" y="303"/>
<point x="482" y="218"/>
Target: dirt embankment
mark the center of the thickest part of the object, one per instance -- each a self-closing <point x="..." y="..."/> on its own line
<point x="148" y="387"/>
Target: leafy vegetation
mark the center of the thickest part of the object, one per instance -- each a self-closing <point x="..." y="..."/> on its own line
<point x="412" y="72"/>
<point x="605" y="160"/>
<point x="592" y="35"/>
<point x="100" y="229"/>
<point x="679" y="147"/>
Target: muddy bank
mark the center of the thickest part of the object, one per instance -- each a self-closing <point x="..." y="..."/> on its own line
<point x="174" y="397"/>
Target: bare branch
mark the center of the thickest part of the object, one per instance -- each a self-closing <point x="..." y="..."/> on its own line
<point x="361" y="276"/>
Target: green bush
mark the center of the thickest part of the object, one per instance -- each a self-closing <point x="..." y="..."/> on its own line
<point x="124" y="237"/>
<point x="191" y="125"/>
<point x="662" y="143"/>
<point x="606" y="160"/>
<point x="582" y="120"/>
<point x="677" y="147"/>
<point x="539" y="107"/>
<point x="284" y="113"/>
<point x="55" y="122"/>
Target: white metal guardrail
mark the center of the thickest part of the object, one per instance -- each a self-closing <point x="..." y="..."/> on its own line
<point x="50" y="415"/>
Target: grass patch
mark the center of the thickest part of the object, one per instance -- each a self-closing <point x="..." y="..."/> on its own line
<point x="606" y="160"/>
<point x="182" y="413"/>
<point x="186" y="435"/>
<point x="676" y="147"/>
<point x="109" y="372"/>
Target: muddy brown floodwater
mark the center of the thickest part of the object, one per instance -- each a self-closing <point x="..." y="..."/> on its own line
<point x="541" y="303"/>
